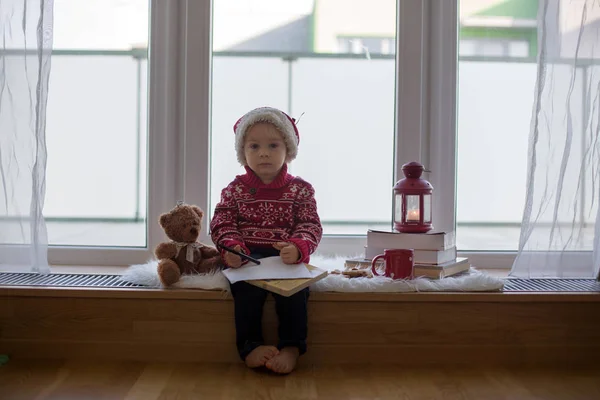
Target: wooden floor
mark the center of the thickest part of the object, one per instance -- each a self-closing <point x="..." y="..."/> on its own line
<point x="89" y="380"/>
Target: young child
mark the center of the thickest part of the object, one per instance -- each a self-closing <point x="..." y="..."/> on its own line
<point x="267" y="212"/>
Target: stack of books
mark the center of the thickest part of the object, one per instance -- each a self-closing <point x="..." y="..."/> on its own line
<point x="434" y="252"/>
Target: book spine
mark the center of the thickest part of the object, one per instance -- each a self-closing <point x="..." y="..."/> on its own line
<point x="264" y="285"/>
<point x="434" y="257"/>
<point x="411" y="241"/>
<point x="420" y="256"/>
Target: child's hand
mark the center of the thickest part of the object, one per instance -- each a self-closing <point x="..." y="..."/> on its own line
<point x="233" y="260"/>
<point x="288" y="252"/>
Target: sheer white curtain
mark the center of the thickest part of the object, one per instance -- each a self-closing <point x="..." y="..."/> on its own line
<point x="25" y="53"/>
<point x="560" y="233"/>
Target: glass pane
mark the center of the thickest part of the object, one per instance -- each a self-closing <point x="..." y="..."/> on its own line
<point x="412" y="209"/>
<point x="326" y="60"/>
<point x="96" y="126"/>
<point x="495" y="100"/>
<point x="351" y="138"/>
<point x="398" y="209"/>
<point x="427" y="208"/>
<point x="260" y="76"/>
<point x="518" y="49"/>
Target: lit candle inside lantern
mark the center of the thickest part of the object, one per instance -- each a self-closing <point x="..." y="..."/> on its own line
<point x="413" y="215"/>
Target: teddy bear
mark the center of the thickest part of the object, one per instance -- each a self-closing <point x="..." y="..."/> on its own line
<point x="184" y="255"/>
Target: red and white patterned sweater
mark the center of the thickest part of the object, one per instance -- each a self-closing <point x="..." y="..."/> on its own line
<point x="255" y="214"/>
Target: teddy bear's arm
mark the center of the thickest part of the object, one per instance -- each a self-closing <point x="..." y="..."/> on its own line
<point x="165" y="250"/>
<point x="209" y="251"/>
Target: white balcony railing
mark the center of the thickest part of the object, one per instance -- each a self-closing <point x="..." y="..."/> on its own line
<point x="96" y="136"/>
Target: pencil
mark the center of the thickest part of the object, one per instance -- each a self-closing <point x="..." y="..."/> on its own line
<point x="244" y="256"/>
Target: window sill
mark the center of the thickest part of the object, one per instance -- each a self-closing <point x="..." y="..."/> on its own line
<point x="188" y="294"/>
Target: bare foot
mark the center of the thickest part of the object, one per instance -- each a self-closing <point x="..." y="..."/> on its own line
<point x="285" y="361"/>
<point x="260" y="355"/>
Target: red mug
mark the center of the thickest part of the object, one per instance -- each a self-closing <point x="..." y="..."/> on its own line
<point x="399" y="263"/>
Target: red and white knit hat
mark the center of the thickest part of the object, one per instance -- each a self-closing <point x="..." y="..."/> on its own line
<point x="283" y="122"/>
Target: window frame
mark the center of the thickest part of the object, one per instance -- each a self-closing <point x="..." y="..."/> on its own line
<point x="179" y="159"/>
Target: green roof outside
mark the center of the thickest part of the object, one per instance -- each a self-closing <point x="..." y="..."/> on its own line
<point x="519" y="9"/>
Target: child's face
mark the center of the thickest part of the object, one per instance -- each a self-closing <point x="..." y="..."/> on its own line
<point x="265" y="151"/>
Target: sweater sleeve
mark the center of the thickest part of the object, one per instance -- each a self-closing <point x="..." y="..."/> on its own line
<point x="224" y="224"/>
<point x="307" y="231"/>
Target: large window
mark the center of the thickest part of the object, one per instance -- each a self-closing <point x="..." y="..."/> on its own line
<point x="286" y="55"/>
<point x="144" y="95"/>
<point x="375" y="84"/>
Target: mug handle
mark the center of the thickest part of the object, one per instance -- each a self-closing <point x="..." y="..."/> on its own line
<point x="374" y="262"/>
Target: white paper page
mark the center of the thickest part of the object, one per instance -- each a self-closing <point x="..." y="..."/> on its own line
<point x="269" y="268"/>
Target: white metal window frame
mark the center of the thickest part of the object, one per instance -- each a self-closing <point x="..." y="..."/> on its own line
<point x="179" y="119"/>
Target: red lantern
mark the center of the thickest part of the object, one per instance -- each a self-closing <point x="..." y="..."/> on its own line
<point x="412" y="199"/>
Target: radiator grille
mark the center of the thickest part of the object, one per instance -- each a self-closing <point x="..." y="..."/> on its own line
<point x="551" y="285"/>
<point x="65" y="280"/>
<point x="114" y="281"/>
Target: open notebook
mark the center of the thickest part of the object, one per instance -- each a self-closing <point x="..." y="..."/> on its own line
<point x="273" y="275"/>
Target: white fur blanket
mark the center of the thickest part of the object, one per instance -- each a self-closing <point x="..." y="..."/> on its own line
<point x="473" y="281"/>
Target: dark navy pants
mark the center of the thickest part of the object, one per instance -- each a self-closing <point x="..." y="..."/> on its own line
<point x="249" y="301"/>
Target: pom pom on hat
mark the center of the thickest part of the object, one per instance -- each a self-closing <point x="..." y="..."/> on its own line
<point x="283" y="122"/>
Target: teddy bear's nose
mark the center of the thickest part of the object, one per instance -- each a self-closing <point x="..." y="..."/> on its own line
<point x="194" y="231"/>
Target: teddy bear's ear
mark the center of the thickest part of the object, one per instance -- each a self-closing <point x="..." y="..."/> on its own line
<point x="198" y="211"/>
<point x="163" y="220"/>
